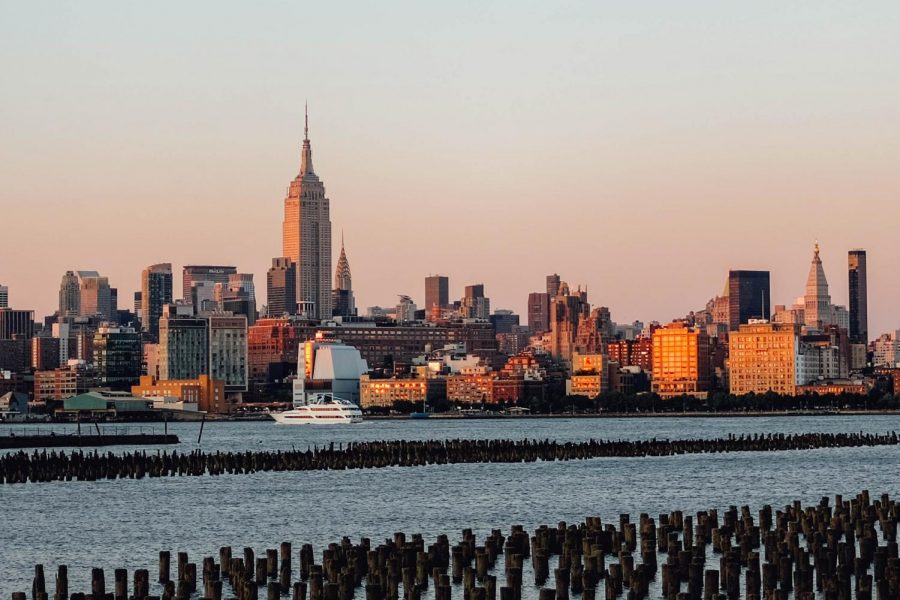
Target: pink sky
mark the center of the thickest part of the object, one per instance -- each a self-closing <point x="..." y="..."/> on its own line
<point x="641" y="151"/>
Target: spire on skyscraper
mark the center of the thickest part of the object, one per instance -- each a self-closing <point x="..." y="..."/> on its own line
<point x="306" y="165"/>
<point x="342" y="280"/>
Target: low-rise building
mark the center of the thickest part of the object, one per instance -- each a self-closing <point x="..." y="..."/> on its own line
<point x="205" y="393"/>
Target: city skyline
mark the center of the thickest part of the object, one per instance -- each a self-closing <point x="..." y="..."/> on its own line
<point x="706" y="174"/>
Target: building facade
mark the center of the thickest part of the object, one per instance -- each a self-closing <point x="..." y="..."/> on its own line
<point x="680" y="361"/>
<point x="207" y="274"/>
<point x="16" y="324"/>
<point x="228" y="351"/>
<point x="207" y="393"/>
<point x="117" y="356"/>
<point x="343" y="303"/>
<point x="306" y="236"/>
<point x="748" y="297"/>
<point x="156" y="292"/>
<point x="859" y="297"/>
<point x="281" y="287"/>
<point x="538" y="312"/>
<point x="183" y="351"/>
<point x="69" y="295"/>
<point x="765" y="357"/>
<point x="437" y="292"/>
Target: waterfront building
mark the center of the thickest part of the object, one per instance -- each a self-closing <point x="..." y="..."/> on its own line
<point x="156" y="292"/>
<point x="69" y="295"/>
<point x="306" y="235"/>
<point x="281" y="287"/>
<point x="203" y="274"/>
<point x="4" y="296"/>
<point x="538" y="312"/>
<point x="553" y="284"/>
<point x="386" y="392"/>
<point x="437" y="293"/>
<point x="65" y="382"/>
<point x="205" y="392"/>
<point x="589" y="375"/>
<point x="680" y="361"/>
<point x="228" y="351"/>
<point x="343" y="304"/>
<point x="183" y="345"/>
<point x="748" y="297"/>
<point x="327" y="364"/>
<point x="16" y="324"/>
<point x="765" y="357"/>
<point x="473" y="385"/>
<point x="859" y="312"/>
<point x="117" y="356"/>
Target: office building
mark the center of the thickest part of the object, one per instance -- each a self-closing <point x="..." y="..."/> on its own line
<point x="306" y="236"/>
<point x="206" y="393"/>
<point x="183" y="345"/>
<point x="16" y="324"/>
<point x="859" y="313"/>
<point x="437" y="293"/>
<point x="566" y="311"/>
<point x="748" y="297"/>
<point x="209" y="274"/>
<point x="44" y="353"/>
<point x="343" y="303"/>
<point x="156" y="292"/>
<point x="95" y="295"/>
<point x="4" y="296"/>
<point x="553" y="283"/>
<point x="538" y="312"/>
<point x="228" y="351"/>
<point x="765" y="357"/>
<point x="680" y="361"/>
<point x="281" y="287"/>
<point x="504" y="321"/>
<point x="238" y="296"/>
<point x="117" y="356"/>
<point x="474" y="304"/>
<point x="69" y="295"/>
<point x="272" y="345"/>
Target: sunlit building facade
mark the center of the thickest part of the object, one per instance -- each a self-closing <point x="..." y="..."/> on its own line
<point x="765" y="357"/>
<point x="680" y="361"/>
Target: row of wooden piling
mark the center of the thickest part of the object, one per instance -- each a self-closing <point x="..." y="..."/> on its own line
<point x="821" y="551"/>
<point x="43" y="466"/>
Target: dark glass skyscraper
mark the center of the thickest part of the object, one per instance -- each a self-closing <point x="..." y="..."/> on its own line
<point x="156" y="291"/>
<point x="859" y="313"/>
<point x="437" y="292"/>
<point x="748" y="297"/>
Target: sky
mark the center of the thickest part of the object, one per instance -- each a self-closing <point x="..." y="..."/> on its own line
<point x="639" y="149"/>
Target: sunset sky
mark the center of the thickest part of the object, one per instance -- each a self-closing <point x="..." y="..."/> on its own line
<point x="640" y="149"/>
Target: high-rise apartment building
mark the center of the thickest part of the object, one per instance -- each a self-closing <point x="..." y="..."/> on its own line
<point x="156" y="292"/>
<point x="117" y="356"/>
<point x="859" y="313"/>
<point x="211" y="274"/>
<point x="765" y="357"/>
<point x="437" y="292"/>
<point x="228" y="351"/>
<point x="566" y="311"/>
<point x="538" y="312"/>
<point x="183" y="351"/>
<point x="680" y="361"/>
<point x="281" y="287"/>
<point x="306" y="236"/>
<point x="748" y="297"/>
<point x="343" y="304"/>
<point x="553" y="283"/>
<point x="69" y="295"/>
<point x="4" y="296"/>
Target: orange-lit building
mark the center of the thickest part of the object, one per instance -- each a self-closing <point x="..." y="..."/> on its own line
<point x="637" y="352"/>
<point x="764" y="357"/>
<point x="387" y="392"/>
<point x="272" y="346"/>
<point x="680" y="361"/>
<point x="208" y="394"/>
<point x="473" y="386"/>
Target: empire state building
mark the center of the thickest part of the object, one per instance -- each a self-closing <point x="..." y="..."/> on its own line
<point x="306" y="236"/>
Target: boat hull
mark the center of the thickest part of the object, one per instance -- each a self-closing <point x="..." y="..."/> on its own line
<point x="300" y="417"/>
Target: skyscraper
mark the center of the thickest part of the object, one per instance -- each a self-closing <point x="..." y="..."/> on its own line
<point x="474" y="305"/>
<point x="748" y="297"/>
<point x="552" y="285"/>
<point x="437" y="292"/>
<point x="4" y="296"/>
<point x="212" y="274"/>
<point x="95" y="295"/>
<point x="343" y="303"/>
<point x="69" y="296"/>
<point x="156" y="291"/>
<point x="817" y="301"/>
<point x="306" y="235"/>
<point x="859" y="314"/>
<point x="281" y="287"/>
<point x="538" y="312"/>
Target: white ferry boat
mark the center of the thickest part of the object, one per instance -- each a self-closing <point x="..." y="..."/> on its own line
<point x="321" y="409"/>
